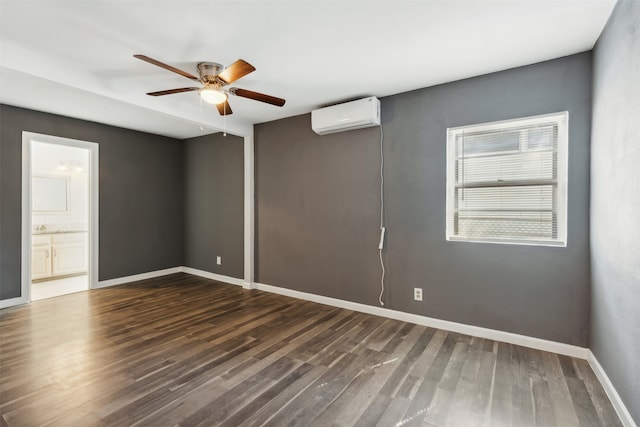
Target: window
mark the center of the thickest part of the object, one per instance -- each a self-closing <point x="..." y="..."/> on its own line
<point x="507" y="181"/>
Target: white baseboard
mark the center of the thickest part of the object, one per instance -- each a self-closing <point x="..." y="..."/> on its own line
<point x="136" y="277"/>
<point x="214" y="276"/>
<point x="182" y="269"/>
<point x="477" y="331"/>
<point x="6" y="303"/>
<point x="614" y="397"/>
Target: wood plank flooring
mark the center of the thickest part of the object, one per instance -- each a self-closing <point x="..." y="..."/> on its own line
<point x="182" y="350"/>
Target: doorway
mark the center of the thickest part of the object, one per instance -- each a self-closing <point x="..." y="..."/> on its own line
<point x="59" y="216"/>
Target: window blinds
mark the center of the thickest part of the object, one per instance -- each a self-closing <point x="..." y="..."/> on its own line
<point x="505" y="182"/>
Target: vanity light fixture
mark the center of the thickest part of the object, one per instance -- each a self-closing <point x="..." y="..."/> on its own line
<point x="73" y="166"/>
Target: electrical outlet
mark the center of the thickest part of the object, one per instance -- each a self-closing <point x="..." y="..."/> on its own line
<point x="417" y="294"/>
<point x="219" y="260"/>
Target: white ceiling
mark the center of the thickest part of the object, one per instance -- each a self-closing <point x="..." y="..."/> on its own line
<point x="75" y="57"/>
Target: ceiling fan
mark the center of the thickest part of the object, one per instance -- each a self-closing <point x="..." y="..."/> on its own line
<point x="215" y="77"/>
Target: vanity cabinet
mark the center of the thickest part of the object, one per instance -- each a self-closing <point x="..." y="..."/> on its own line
<point x="69" y="253"/>
<point x="60" y="254"/>
<point x="40" y="260"/>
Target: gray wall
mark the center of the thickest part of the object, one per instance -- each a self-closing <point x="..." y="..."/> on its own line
<point x="141" y="202"/>
<point x="615" y="203"/>
<point x="317" y="209"/>
<point x="317" y="203"/>
<point x="214" y="204"/>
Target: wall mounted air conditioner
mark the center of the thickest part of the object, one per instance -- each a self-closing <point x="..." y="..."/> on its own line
<point x="358" y="114"/>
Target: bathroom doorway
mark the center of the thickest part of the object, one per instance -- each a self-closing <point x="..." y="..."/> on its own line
<point x="59" y="211"/>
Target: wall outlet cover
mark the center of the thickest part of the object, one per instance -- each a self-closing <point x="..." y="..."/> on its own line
<point x="219" y="260"/>
<point x="417" y="294"/>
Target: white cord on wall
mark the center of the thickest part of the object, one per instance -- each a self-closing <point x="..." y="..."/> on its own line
<point x="382" y="228"/>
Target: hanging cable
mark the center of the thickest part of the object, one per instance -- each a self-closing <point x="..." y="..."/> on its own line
<point x="382" y="228"/>
<point x="201" y="116"/>
<point x="224" y="119"/>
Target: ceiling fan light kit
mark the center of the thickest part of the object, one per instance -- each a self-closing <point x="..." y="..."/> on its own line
<point x="212" y="95"/>
<point x="215" y="77"/>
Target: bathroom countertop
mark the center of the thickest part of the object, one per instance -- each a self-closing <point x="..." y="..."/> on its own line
<point x="58" y="231"/>
<point x="59" y="228"/>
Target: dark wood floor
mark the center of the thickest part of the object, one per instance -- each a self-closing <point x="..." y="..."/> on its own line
<point x="189" y="351"/>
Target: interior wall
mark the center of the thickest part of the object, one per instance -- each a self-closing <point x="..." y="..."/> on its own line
<point x="214" y="204"/>
<point x="141" y="201"/>
<point x="317" y="208"/>
<point x="615" y="203"/>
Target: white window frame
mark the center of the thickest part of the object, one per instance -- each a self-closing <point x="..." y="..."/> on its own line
<point x="562" y="121"/>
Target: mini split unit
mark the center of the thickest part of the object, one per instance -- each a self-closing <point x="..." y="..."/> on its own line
<point x="358" y="114"/>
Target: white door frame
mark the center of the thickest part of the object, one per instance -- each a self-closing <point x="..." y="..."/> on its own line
<point x="249" y="212"/>
<point x="27" y="138"/>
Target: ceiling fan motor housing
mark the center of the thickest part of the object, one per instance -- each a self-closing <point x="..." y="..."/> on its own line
<point x="209" y="72"/>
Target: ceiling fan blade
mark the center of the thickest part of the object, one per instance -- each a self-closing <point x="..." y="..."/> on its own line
<point x="235" y="71"/>
<point x="279" y="102"/>
<point x="224" y="108"/>
<point x="171" y="91"/>
<point x="166" y="67"/>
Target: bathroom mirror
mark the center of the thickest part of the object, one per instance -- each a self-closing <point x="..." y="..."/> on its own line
<point x="49" y="194"/>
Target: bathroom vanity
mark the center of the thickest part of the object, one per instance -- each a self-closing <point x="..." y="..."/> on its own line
<point x="58" y="253"/>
